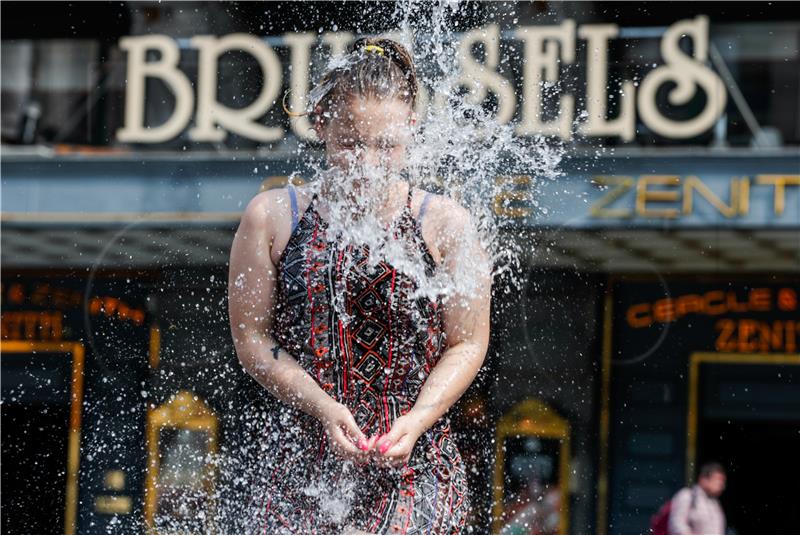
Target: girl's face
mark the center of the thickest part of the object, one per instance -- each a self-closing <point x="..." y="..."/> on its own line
<point x="365" y="132"/>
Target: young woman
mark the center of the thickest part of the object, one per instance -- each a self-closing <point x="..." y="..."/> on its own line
<point x="360" y="444"/>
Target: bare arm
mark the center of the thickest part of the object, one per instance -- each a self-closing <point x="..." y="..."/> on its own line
<point x="466" y="323"/>
<point x="251" y="287"/>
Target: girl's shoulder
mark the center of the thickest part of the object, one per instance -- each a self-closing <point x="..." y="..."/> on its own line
<point x="280" y="200"/>
<point x="272" y="208"/>
<point x="303" y="193"/>
<point x="269" y="202"/>
<point x="441" y="208"/>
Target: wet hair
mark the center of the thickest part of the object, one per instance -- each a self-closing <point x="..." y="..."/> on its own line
<point x="711" y="468"/>
<point x="373" y="67"/>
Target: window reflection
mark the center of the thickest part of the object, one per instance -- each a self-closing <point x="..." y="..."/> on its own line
<point x="532" y="471"/>
<point x="181" y="447"/>
<point x="181" y="487"/>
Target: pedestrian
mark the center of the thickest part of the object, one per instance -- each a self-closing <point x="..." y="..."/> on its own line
<point x="696" y="510"/>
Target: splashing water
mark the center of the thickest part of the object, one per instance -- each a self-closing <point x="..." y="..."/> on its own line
<point x="459" y="150"/>
<point x="461" y="142"/>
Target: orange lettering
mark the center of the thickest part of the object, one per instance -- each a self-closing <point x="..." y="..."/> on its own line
<point x="760" y="299"/>
<point x="787" y="299"/>
<point x="110" y="305"/>
<point x="734" y="304"/>
<point x="639" y="315"/>
<point x="724" y="341"/>
<point x="747" y="328"/>
<point x="664" y="310"/>
<point x="689" y="303"/>
<point x="711" y="308"/>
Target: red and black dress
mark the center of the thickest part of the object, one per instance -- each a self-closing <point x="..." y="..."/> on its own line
<point x="374" y="361"/>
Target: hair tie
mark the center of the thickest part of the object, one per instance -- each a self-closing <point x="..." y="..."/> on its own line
<point x="374" y="48"/>
<point x="289" y="112"/>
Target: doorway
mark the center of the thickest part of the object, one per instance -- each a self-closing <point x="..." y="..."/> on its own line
<point x="34" y="467"/>
<point x="748" y="419"/>
<point x="763" y="467"/>
<point x="42" y="392"/>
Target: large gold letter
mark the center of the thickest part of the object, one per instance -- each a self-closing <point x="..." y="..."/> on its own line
<point x="779" y="182"/>
<point x="686" y="72"/>
<point x="643" y="195"/>
<point x="166" y="69"/>
<point x="597" y="124"/>
<point x="599" y="209"/>
<point x="210" y="112"/>
<point x="481" y="78"/>
<point x="541" y="57"/>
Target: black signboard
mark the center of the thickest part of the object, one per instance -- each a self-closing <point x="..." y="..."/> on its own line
<point x="681" y="352"/>
<point x="75" y="353"/>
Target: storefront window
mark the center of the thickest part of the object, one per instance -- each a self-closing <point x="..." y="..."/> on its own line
<point x="532" y="470"/>
<point x="181" y="448"/>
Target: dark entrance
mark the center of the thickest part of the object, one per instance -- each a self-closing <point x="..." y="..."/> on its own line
<point x="35" y="416"/>
<point x="750" y="422"/>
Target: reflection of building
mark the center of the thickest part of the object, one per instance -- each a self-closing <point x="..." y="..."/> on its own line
<point x="181" y="442"/>
<point x="659" y="322"/>
<point x="531" y="465"/>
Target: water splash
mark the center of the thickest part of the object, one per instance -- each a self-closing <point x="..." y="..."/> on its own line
<point x="460" y="150"/>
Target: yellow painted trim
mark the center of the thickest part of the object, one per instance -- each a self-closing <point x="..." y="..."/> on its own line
<point x="532" y="418"/>
<point x="113" y="505"/>
<point x="605" y="409"/>
<point x="154" y="354"/>
<point x="698" y="358"/>
<point x="114" y="480"/>
<point x="184" y="410"/>
<point x="280" y="181"/>
<point x="564" y="462"/>
<point x="497" y="487"/>
<point x="77" y="351"/>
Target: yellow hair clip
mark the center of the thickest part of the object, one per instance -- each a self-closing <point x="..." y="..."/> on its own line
<point x="375" y="48"/>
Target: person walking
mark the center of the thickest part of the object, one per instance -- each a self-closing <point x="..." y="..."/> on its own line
<point x="696" y="510"/>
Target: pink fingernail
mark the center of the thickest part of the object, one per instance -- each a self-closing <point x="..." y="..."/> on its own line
<point x="362" y="444"/>
<point x="383" y="447"/>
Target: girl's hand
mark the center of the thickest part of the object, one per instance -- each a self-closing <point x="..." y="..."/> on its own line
<point x="394" y="448"/>
<point x="343" y="432"/>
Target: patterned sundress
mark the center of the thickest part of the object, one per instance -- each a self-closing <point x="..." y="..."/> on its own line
<point x="375" y="363"/>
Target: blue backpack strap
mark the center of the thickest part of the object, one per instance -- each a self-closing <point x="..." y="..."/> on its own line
<point x="293" y="199"/>
<point x="423" y="206"/>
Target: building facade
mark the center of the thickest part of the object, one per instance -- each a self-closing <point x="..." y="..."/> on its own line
<point x="657" y="327"/>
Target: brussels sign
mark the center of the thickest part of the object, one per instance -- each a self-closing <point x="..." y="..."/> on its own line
<point x="545" y="50"/>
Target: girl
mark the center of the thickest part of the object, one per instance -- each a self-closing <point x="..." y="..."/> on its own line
<point x="359" y="444"/>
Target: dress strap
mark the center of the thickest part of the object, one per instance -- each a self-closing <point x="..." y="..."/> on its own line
<point x="423" y="207"/>
<point x="408" y="200"/>
<point x="293" y="199"/>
